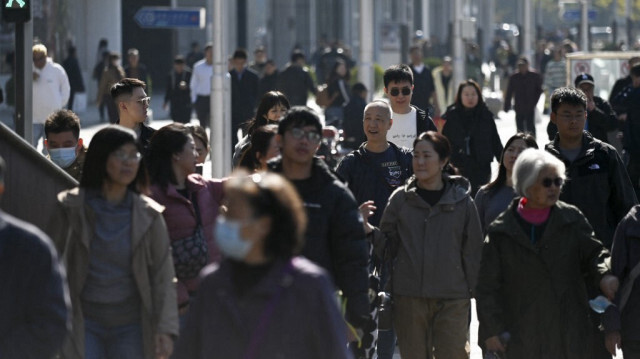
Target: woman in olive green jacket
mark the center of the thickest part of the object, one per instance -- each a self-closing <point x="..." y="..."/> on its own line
<point x="115" y="247"/>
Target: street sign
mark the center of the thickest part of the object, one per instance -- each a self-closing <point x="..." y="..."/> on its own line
<point x="16" y="10"/>
<point x="167" y="17"/>
<point x="576" y="15"/>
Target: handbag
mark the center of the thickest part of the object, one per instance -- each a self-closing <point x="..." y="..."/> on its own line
<point x="190" y="254"/>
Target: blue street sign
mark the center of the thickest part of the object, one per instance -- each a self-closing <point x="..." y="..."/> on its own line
<point x="167" y="17"/>
<point x="576" y="15"/>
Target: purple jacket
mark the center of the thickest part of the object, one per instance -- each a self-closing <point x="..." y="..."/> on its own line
<point x="180" y="216"/>
<point x="305" y="323"/>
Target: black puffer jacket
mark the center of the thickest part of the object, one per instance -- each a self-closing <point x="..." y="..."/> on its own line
<point x="335" y="236"/>
<point x="598" y="184"/>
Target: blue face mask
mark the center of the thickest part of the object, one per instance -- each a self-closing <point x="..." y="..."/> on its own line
<point x="229" y="239"/>
<point x="63" y="157"/>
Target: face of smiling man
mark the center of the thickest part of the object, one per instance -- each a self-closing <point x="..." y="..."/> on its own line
<point x="377" y="122"/>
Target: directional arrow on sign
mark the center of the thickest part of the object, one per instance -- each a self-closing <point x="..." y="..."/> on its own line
<point x="167" y="17"/>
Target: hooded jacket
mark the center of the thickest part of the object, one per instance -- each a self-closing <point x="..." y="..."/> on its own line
<point x="537" y="293"/>
<point x="598" y="184"/>
<point x="71" y="230"/>
<point x="335" y="237"/>
<point x="436" y="248"/>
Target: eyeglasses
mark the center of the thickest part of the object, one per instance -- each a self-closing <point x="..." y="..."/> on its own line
<point x="144" y="101"/>
<point x="124" y="157"/>
<point x="547" y="182"/>
<point x="299" y="134"/>
<point x="406" y="91"/>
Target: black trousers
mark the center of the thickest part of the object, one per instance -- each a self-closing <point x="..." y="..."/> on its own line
<point x="203" y="110"/>
<point x="525" y="122"/>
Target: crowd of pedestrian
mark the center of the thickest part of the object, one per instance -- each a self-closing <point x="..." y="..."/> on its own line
<point x="289" y="257"/>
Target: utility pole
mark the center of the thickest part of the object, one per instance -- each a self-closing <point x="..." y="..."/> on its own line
<point x="220" y="114"/>
<point x="527" y="31"/>
<point x="584" y="26"/>
<point x="365" y="71"/>
<point x="458" y="46"/>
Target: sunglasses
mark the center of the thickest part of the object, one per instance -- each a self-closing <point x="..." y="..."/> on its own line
<point x="547" y="182"/>
<point x="299" y="134"/>
<point x="144" y="101"/>
<point x="406" y="91"/>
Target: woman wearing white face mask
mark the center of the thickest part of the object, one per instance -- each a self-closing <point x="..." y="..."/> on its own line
<point x="262" y="301"/>
<point x="63" y="142"/>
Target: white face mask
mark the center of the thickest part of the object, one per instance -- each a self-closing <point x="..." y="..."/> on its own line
<point x="63" y="157"/>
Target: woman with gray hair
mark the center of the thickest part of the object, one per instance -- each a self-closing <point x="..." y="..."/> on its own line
<point x="531" y="296"/>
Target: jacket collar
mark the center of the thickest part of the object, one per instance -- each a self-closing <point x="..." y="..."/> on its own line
<point x="320" y="172"/>
<point x="457" y="188"/>
<point x="589" y="146"/>
<point x="144" y="211"/>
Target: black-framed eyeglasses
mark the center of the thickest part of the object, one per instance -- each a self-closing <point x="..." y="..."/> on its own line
<point x="145" y="101"/>
<point x="406" y="91"/>
<point x="299" y="134"/>
<point x="547" y="182"/>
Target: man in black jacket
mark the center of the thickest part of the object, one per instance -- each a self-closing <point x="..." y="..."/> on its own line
<point x="295" y="81"/>
<point x="244" y="93"/>
<point x="597" y="182"/>
<point x="372" y="173"/>
<point x="34" y="301"/>
<point x="424" y="92"/>
<point x="178" y="94"/>
<point x="335" y="236"/>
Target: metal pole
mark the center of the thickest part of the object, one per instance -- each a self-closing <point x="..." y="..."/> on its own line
<point x="365" y="73"/>
<point x="220" y="120"/>
<point x="426" y="32"/>
<point x="458" y="46"/>
<point x="23" y="67"/>
<point x="526" y="23"/>
<point x="584" y="26"/>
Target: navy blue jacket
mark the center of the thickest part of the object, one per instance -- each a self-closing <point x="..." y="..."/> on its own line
<point x="366" y="181"/>
<point x="34" y="300"/>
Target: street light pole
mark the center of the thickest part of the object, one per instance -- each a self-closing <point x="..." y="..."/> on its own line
<point x="584" y="26"/>
<point x="526" y="37"/>
<point x="220" y="114"/>
<point x="365" y="72"/>
<point x="458" y="46"/>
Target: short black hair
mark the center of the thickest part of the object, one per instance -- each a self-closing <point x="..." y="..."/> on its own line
<point x="567" y="95"/>
<point x="299" y="116"/>
<point x="240" y="54"/>
<point x="398" y="73"/>
<point x="62" y="121"/>
<point x="358" y="88"/>
<point x="125" y="87"/>
<point x="635" y="70"/>
<point x="103" y="144"/>
<point x="296" y="55"/>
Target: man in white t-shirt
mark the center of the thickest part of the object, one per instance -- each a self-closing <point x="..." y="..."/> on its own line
<point x="408" y="121"/>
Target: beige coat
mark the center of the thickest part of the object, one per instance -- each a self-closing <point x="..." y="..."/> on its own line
<point x="71" y="230"/>
<point x="441" y="90"/>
